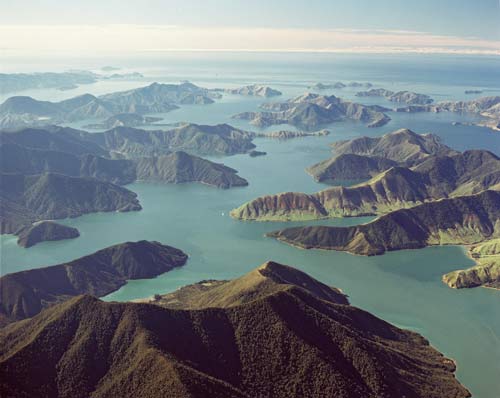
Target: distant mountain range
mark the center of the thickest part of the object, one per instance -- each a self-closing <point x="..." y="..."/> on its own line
<point x="407" y="97"/>
<point x="253" y="90"/>
<point x="22" y="111"/>
<point x="310" y="111"/>
<point x="274" y="332"/>
<point x="486" y="107"/>
<point x="12" y="82"/>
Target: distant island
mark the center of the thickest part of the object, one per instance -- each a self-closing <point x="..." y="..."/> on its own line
<point x="310" y="111"/>
<point x="99" y="274"/>
<point x="12" y="82"/>
<point x="338" y="85"/>
<point x="253" y="90"/>
<point x="486" y="107"/>
<point x="473" y="219"/>
<point x="288" y="134"/>
<point x="22" y="111"/>
<point x="210" y="342"/>
<point x="473" y="92"/>
<point x="407" y="97"/>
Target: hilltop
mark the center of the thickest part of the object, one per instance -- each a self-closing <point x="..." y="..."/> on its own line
<point x="252" y="345"/>
<point x="434" y="178"/>
<point x="26" y="293"/>
<point x="310" y="111"/>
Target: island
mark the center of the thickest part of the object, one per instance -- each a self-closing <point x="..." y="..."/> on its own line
<point x="310" y="111"/>
<point x="26" y="293"/>
<point x="44" y="231"/>
<point x="407" y="97"/>
<point x="288" y="134"/>
<point x="23" y="111"/>
<point x="212" y="345"/>
<point x="487" y="108"/>
<point x="473" y="92"/>
<point x="434" y="178"/>
<point x="327" y="86"/>
<point x="253" y="90"/>
<point x="254" y="154"/>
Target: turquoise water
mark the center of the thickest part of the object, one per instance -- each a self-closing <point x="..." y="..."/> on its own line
<point x="402" y="287"/>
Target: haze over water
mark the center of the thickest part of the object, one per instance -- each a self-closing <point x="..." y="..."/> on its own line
<point x="402" y="287"/>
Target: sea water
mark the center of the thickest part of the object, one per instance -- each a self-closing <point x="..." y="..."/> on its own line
<point x="402" y="287"/>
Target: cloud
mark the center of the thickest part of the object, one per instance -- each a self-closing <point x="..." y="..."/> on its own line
<point x="125" y="39"/>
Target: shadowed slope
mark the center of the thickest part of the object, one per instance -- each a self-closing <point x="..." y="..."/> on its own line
<point x="287" y="343"/>
<point x="26" y="293"/>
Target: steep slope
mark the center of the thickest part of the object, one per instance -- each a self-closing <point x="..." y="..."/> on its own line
<point x="177" y="167"/>
<point x="24" y="294"/>
<point x="399" y="187"/>
<point x="180" y="167"/>
<point x="350" y="167"/>
<point x="253" y="90"/>
<point x="460" y="220"/>
<point x="287" y="343"/>
<point x="310" y="111"/>
<point x="401" y="146"/>
<point x="44" y="231"/>
<point x="29" y="198"/>
<point x="220" y="139"/>
<point x="485" y="273"/>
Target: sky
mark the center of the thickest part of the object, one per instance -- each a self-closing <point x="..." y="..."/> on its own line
<point x="146" y="26"/>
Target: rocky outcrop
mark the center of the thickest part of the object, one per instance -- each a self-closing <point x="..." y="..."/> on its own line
<point x="44" y="231"/>
<point x="251" y="343"/>
<point x="26" y="293"/>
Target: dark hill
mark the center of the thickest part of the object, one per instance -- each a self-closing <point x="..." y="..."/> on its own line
<point x="44" y="231"/>
<point x="460" y="220"/>
<point x="24" y="294"/>
<point x="433" y="178"/>
<point x="29" y="198"/>
<point x="290" y="342"/>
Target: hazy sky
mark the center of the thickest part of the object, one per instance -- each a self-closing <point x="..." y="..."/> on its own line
<point x="288" y="25"/>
